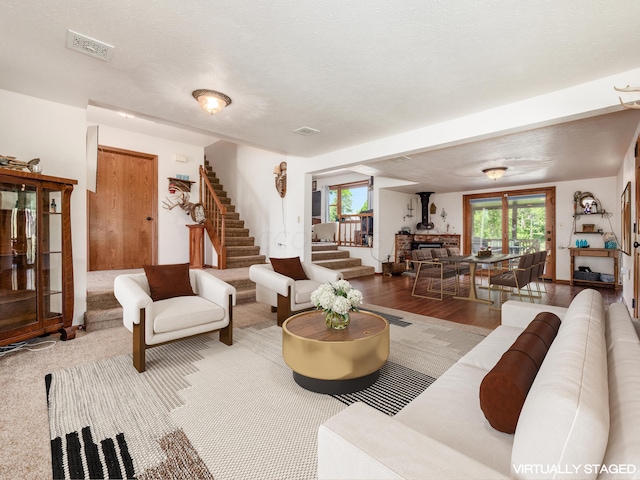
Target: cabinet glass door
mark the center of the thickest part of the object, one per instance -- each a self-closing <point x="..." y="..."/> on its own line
<point x="18" y="256"/>
<point x="51" y="253"/>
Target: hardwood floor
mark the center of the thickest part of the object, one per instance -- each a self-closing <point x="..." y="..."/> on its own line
<point x="395" y="292"/>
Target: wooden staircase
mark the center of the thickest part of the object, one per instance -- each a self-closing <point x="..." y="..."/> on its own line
<point x="330" y="257"/>
<point x="240" y="248"/>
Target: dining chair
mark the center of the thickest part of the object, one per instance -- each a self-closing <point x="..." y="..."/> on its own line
<point x="514" y="279"/>
<point x="435" y="271"/>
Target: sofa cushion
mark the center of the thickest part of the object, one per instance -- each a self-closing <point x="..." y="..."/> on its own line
<point x="289" y="267"/>
<point x="565" y="417"/>
<point x="623" y="365"/>
<point x="168" y="281"/>
<point x="486" y="354"/>
<point x="618" y="327"/>
<point x="180" y="313"/>
<point x="448" y="411"/>
<point x="504" y="389"/>
<point x="623" y="447"/>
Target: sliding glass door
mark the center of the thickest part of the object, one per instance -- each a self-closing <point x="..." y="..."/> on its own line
<point x="520" y="221"/>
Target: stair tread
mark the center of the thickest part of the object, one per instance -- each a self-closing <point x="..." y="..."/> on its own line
<point x="339" y="263"/>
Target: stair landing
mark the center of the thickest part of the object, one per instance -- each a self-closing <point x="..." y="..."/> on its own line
<point x="327" y="255"/>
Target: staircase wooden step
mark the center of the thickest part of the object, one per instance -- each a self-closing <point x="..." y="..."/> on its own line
<point x="239" y="241"/>
<point x="323" y="248"/>
<point x="339" y="264"/>
<point x="95" y="320"/>
<point x="354" y="272"/>
<point x="242" y="251"/>
<point x="245" y="290"/>
<point x="101" y="300"/>
<point x="236" y="232"/>
<point x="329" y="255"/>
<point x="234" y="223"/>
<point x="237" y="262"/>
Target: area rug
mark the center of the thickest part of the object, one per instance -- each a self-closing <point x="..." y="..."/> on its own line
<point x="206" y="410"/>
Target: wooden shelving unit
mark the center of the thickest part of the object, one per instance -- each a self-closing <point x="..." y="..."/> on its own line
<point x="612" y="253"/>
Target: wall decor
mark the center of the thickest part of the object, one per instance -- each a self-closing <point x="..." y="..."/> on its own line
<point x="625" y="210"/>
<point x="280" y="171"/>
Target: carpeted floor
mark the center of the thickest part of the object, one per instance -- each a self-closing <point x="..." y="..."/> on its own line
<point x="193" y="405"/>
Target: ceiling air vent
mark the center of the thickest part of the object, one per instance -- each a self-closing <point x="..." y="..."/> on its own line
<point x="306" y="131"/>
<point x="89" y="46"/>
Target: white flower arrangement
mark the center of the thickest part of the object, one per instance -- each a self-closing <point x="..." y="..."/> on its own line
<point x="338" y="298"/>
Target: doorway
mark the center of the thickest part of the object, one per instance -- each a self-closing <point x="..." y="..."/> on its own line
<point x="519" y="221"/>
<point x="123" y="211"/>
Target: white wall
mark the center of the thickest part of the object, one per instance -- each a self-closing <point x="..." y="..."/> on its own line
<point x="173" y="235"/>
<point x="30" y="128"/>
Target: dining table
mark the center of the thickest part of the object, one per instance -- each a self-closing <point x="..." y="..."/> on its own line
<point x="473" y="261"/>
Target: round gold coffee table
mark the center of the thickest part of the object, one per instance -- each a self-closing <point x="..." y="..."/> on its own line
<point x="331" y="361"/>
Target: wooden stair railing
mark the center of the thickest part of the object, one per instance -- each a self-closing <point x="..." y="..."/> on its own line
<point x="215" y="213"/>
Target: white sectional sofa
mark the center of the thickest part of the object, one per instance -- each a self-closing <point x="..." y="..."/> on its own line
<point x="580" y="419"/>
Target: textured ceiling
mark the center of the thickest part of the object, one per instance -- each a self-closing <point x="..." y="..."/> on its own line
<point x="355" y="70"/>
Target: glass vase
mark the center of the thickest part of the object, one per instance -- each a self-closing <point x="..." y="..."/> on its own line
<point x="337" y="321"/>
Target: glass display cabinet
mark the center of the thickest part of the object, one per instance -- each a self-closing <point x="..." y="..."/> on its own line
<point x="36" y="264"/>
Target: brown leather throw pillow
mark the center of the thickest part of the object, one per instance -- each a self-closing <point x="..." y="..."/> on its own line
<point x="504" y="389"/>
<point x="168" y="281"/>
<point x="290" y="267"/>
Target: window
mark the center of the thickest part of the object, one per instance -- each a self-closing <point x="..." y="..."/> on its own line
<point x="348" y="199"/>
<point x="349" y="204"/>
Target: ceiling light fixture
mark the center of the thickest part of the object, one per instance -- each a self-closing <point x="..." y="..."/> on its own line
<point x="494" y="173"/>
<point x="210" y="100"/>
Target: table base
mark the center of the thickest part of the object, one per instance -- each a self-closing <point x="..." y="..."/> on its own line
<point x="336" y="387"/>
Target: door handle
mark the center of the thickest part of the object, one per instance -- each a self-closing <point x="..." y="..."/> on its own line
<point x="636" y="244"/>
<point x="148" y="218"/>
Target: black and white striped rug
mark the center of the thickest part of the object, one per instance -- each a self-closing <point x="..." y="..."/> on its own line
<point x="205" y="410"/>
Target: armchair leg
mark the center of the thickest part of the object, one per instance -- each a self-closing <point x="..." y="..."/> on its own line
<point x="284" y="308"/>
<point x="138" y="344"/>
<point x="226" y="334"/>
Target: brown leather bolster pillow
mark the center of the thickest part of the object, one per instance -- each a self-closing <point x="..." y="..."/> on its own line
<point x="504" y="389"/>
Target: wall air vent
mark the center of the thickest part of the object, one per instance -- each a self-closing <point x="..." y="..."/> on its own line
<point x="306" y="131"/>
<point x="95" y="48"/>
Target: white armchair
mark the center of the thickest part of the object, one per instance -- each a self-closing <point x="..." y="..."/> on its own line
<point x="161" y="321"/>
<point x="286" y="294"/>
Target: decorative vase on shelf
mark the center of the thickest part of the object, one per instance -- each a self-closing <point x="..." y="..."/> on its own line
<point x="337" y="321"/>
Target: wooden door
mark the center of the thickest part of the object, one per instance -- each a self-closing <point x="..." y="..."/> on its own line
<point x="123" y="211"/>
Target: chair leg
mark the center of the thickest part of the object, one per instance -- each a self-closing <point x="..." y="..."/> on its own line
<point x="226" y="334"/>
<point x="139" y="344"/>
<point x="284" y="308"/>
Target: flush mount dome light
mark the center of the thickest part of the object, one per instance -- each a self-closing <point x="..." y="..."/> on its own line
<point x="210" y="100"/>
<point x="494" y="173"/>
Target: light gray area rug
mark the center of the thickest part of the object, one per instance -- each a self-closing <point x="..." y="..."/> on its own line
<point x="206" y="410"/>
